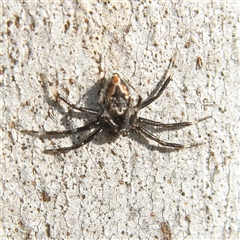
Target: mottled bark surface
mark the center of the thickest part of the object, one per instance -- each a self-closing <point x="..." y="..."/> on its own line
<point x="120" y="187"/>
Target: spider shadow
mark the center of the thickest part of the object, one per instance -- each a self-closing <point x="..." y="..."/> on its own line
<point x="67" y="115"/>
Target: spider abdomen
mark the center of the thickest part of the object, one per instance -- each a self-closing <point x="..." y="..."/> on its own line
<point x="117" y="97"/>
<point x="117" y="105"/>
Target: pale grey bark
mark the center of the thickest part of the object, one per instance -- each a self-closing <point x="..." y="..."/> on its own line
<point x="126" y="187"/>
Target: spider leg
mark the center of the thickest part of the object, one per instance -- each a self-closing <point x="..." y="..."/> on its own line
<point x="87" y="110"/>
<point x="62" y="133"/>
<point x="75" y="146"/>
<point x="156" y="95"/>
<point x="148" y="134"/>
<point x="170" y="125"/>
<point x="168" y="77"/>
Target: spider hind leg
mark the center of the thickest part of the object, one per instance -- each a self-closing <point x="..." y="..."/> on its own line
<point x="82" y="109"/>
<point x="159" y="89"/>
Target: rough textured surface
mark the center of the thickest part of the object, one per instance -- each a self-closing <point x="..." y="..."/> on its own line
<point x="120" y="188"/>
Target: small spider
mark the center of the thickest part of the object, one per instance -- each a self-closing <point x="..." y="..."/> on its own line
<point x="118" y="112"/>
<point x="199" y="63"/>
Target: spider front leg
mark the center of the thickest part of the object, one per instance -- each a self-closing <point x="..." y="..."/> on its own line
<point x="86" y="127"/>
<point x="170" y="125"/>
<point x="148" y="134"/>
<point x="75" y="146"/>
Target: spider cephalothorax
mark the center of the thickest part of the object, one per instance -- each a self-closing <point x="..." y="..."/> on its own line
<point x="119" y="105"/>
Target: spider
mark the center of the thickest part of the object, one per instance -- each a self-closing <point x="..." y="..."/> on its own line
<point x="118" y="112"/>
